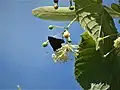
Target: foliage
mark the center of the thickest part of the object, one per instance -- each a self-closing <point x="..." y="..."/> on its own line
<point x="90" y="65"/>
<point x="96" y="60"/>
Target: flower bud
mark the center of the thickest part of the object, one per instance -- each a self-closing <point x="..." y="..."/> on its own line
<point x="51" y="27"/>
<point x="44" y="44"/>
<point x="66" y="34"/>
<point x="71" y="7"/>
<point x="69" y="40"/>
<point x="55" y="1"/>
<point x="56" y="6"/>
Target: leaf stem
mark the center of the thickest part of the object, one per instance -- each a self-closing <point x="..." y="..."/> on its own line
<point x="71" y="23"/>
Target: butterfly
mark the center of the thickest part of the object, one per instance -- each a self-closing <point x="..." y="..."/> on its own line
<point x="55" y="42"/>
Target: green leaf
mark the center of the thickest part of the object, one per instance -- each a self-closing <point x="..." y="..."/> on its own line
<point x="84" y="3"/>
<point x="89" y="64"/>
<point x="115" y="7"/>
<point x="63" y="13"/>
<point x="49" y="13"/>
<point x="112" y="12"/>
<point x="91" y="67"/>
<point x="97" y="21"/>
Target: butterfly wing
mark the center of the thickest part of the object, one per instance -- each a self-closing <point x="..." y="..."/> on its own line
<point x="55" y="43"/>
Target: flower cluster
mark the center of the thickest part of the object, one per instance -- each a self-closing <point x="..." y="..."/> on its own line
<point x="62" y="54"/>
<point x="61" y="51"/>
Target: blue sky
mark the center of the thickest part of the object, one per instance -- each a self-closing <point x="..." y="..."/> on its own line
<point x="22" y="59"/>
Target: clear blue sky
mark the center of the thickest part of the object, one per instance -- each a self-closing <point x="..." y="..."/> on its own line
<point x="22" y="59"/>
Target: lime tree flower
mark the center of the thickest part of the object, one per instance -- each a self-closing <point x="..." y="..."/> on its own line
<point x="62" y="54"/>
<point x="117" y="45"/>
<point x="61" y="51"/>
<point x="60" y="48"/>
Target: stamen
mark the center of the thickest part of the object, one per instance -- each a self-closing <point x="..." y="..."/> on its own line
<point x="61" y="55"/>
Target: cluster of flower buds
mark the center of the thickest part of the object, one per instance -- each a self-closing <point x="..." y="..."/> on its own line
<point x="65" y="34"/>
<point x="61" y="49"/>
<point x="71" y="7"/>
<point x="62" y="54"/>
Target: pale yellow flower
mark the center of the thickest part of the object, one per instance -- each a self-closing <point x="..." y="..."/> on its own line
<point x="117" y="43"/>
<point x="62" y="54"/>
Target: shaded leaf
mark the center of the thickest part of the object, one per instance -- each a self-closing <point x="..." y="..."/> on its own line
<point x="115" y="7"/>
<point x="91" y="67"/>
<point x="112" y="12"/>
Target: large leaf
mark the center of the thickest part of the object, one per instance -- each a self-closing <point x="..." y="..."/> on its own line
<point x="91" y="67"/>
<point x="49" y="13"/>
<point x="64" y="13"/>
<point x="94" y="18"/>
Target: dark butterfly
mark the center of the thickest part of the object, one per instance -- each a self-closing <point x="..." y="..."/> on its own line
<point x="55" y="42"/>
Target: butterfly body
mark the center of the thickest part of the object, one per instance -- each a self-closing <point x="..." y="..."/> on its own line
<point x="55" y="42"/>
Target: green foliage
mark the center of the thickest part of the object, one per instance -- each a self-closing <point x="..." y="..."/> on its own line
<point x="112" y="12"/>
<point x="115" y="7"/>
<point x="90" y="65"/>
<point x="95" y="19"/>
